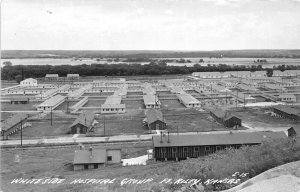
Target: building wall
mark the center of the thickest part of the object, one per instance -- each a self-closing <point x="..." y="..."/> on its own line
<point x="82" y="129"/>
<point x="14" y="129"/>
<point x="161" y="125"/>
<point x="184" y="152"/>
<point x="113" y="110"/>
<point x="78" y="167"/>
<point x="283" y="114"/>
<point x="115" y="154"/>
<point x="233" y="122"/>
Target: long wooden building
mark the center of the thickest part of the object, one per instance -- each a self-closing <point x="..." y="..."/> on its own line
<point x="181" y="147"/>
<point x="13" y="124"/>
<point x="287" y="111"/>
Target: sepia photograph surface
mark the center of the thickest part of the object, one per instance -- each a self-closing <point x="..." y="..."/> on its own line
<point x="150" y="95"/>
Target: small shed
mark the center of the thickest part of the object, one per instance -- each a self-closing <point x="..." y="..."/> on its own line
<point x="225" y="118"/>
<point x="155" y="119"/>
<point x="83" y="123"/>
<point x="94" y="158"/>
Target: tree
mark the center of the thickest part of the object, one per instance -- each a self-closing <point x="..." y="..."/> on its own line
<point x="269" y="72"/>
<point x="282" y="68"/>
<point x="18" y="78"/>
<point x="7" y="64"/>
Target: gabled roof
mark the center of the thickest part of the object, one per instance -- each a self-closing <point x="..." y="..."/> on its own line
<point x="288" y="110"/>
<point x="86" y="118"/>
<point x="72" y="75"/>
<point x="216" y="139"/>
<point x="219" y="113"/>
<point x="13" y="120"/>
<point x="29" y="79"/>
<point x="87" y="156"/>
<point x="222" y="114"/>
<point x="187" y="98"/>
<point x="154" y="115"/>
<point x="52" y="101"/>
<point x="151" y="99"/>
<point x="51" y="75"/>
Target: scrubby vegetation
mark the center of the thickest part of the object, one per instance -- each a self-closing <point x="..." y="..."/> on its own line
<point x="19" y="72"/>
<point x="239" y="164"/>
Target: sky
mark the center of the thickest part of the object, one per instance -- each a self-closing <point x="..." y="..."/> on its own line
<point x="150" y="24"/>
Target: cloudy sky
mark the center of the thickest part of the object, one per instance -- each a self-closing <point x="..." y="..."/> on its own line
<point x="150" y="24"/>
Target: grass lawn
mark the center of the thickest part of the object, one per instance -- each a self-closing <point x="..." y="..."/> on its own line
<point x="258" y="118"/>
<point x="137" y="104"/>
<point x="120" y="124"/>
<point x="31" y="106"/>
<point x="54" y="162"/>
<point x="190" y="120"/>
<point x="171" y="104"/>
<point x="63" y="106"/>
<point x="94" y="103"/>
<point x="44" y="129"/>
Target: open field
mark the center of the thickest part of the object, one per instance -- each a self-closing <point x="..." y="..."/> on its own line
<point x="258" y="118"/>
<point x="65" y="104"/>
<point x="94" y="103"/>
<point x="19" y="107"/>
<point x="190" y="120"/>
<point x="134" y="93"/>
<point x="171" y="104"/>
<point x="119" y="124"/>
<point x="137" y="104"/>
<point x="56" y="162"/>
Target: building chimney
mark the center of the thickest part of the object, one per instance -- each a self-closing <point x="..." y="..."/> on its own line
<point x="91" y="152"/>
<point x="161" y="141"/>
<point x="168" y="137"/>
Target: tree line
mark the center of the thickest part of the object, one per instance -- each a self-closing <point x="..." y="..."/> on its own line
<point x="19" y="72"/>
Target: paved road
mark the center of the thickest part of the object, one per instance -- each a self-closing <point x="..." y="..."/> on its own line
<point x="76" y="139"/>
<point x="73" y="140"/>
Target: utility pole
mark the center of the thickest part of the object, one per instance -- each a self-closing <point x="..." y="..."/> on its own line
<point x="226" y="97"/>
<point x="21" y="133"/>
<point x="104" y="124"/>
<point x="67" y="104"/>
<point x="51" y="115"/>
<point x="236" y="100"/>
<point x="244" y="101"/>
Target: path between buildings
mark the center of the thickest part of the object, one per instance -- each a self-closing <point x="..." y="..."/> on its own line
<point x="76" y="139"/>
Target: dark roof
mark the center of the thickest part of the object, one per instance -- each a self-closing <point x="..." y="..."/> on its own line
<point x="219" y="113"/>
<point x="13" y="120"/>
<point x="287" y="109"/>
<point x="222" y="114"/>
<point x="86" y="118"/>
<point x="154" y="115"/>
<point x="216" y="139"/>
<point x="230" y="116"/>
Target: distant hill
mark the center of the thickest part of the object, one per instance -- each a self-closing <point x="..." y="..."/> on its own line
<point x="278" y="53"/>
